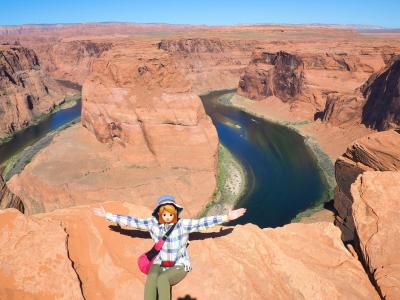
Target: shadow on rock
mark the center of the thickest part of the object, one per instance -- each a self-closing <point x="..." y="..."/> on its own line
<point x="187" y="297"/>
<point x="130" y="232"/>
<point x="192" y="237"/>
<point x="209" y="235"/>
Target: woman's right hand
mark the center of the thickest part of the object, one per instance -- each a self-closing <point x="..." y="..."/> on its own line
<point x="99" y="211"/>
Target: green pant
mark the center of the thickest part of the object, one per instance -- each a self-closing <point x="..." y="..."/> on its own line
<point x="161" y="279"/>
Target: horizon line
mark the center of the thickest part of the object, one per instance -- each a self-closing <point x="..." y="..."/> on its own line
<point x="366" y="26"/>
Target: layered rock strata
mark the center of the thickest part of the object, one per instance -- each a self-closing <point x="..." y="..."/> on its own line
<point x="382" y="92"/>
<point x="209" y="63"/>
<point x="146" y="135"/>
<point x="25" y="91"/>
<point x="376" y="207"/>
<point x="313" y="85"/>
<point x="379" y="152"/>
<point x="375" y="103"/>
<point x="8" y="199"/>
<point x="272" y="74"/>
<point x="71" y="59"/>
<point x="86" y="256"/>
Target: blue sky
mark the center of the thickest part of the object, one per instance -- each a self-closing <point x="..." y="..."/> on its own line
<point x="384" y="12"/>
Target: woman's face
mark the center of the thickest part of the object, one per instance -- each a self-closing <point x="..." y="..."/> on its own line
<point x="167" y="216"/>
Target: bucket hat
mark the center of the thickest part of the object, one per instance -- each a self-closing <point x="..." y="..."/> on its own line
<point x="163" y="200"/>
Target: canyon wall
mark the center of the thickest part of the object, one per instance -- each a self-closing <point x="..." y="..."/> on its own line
<point x="142" y="128"/>
<point x="314" y="84"/>
<point x="210" y="63"/>
<point x="25" y="91"/>
<point x="376" y="208"/>
<point x="382" y="92"/>
<point x="70" y="59"/>
<point x="7" y="198"/>
<point x="367" y="202"/>
<point x="272" y="74"/>
<point x="376" y="152"/>
<point x="375" y="103"/>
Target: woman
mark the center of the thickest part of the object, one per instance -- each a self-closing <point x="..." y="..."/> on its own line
<point x="172" y="263"/>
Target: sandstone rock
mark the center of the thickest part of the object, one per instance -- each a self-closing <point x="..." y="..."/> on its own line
<point x="71" y="60"/>
<point x="142" y="102"/>
<point x="272" y="74"/>
<point x="341" y="109"/>
<point x="375" y="211"/>
<point x="382" y="91"/>
<point x="145" y="128"/>
<point x="93" y="172"/>
<point x="210" y="63"/>
<point x="34" y="259"/>
<point x="297" y="261"/>
<point x="379" y="152"/>
<point x="25" y="91"/>
<point x="8" y="199"/>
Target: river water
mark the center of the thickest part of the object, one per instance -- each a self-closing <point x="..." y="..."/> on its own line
<point x="32" y="134"/>
<point x="285" y="177"/>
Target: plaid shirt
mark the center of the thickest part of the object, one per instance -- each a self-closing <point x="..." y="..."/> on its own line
<point x="174" y="248"/>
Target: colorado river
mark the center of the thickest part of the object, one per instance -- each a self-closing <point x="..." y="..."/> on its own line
<point x="285" y="177"/>
<point x="31" y="134"/>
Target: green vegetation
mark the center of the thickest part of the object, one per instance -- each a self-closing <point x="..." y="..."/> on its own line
<point x="223" y="196"/>
<point x="70" y="100"/>
<point x="6" y="138"/>
<point x="324" y="163"/>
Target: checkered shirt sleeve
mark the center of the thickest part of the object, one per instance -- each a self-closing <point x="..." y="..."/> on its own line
<point x="194" y="225"/>
<point x="137" y="223"/>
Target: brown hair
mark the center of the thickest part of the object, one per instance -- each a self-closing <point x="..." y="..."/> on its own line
<point x="169" y="208"/>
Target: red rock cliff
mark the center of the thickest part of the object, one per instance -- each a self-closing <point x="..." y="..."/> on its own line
<point x="382" y="92"/>
<point x="272" y="74"/>
<point x="24" y="89"/>
<point x="209" y="63"/>
<point x="144" y="127"/>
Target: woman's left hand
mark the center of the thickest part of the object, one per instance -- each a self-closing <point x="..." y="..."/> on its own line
<point x="234" y="214"/>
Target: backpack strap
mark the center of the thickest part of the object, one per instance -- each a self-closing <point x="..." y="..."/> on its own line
<point x="166" y="235"/>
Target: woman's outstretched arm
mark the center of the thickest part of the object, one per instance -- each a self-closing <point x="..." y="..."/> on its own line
<point x="137" y="223"/>
<point x="194" y="225"/>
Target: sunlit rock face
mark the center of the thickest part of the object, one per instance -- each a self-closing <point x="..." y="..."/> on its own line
<point x="375" y="209"/>
<point x="375" y="152"/>
<point x="87" y="256"/>
<point x="273" y="74"/>
<point x="25" y="91"/>
<point x="145" y="134"/>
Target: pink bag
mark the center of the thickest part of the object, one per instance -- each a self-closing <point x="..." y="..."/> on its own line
<point x="146" y="260"/>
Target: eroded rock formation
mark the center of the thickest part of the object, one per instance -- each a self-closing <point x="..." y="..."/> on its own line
<point x="71" y="59"/>
<point x="375" y="103"/>
<point x="8" y="199"/>
<point x="379" y="152"/>
<point x="273" y="74"/>
<point x="375" y="211"/>
<point x="25" y="91"/>
<point x="35" y="260"/>
<point x="209" y="63"/>
<point x="382" y="92"/>
<point x="297" y="261"/>
<point x="147" y="134"/>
